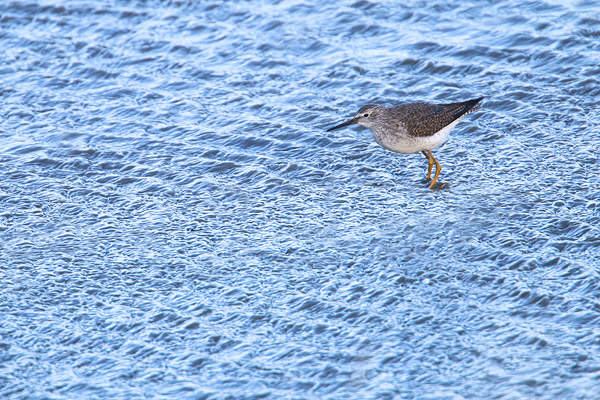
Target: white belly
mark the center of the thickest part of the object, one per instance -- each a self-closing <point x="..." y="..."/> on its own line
<point x="407" y="145"/>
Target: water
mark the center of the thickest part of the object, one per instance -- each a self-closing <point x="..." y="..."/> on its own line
<point x="176" y="223"/>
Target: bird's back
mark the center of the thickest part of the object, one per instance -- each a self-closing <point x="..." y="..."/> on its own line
<point x="426" y="119"/>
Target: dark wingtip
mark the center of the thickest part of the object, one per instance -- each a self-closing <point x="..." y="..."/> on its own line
<point x="472" y="105"/>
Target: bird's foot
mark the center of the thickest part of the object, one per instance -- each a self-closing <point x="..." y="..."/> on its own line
<point x="440" y="186"/>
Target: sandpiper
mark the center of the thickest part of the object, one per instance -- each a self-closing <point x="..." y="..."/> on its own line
<point x="410" y="128"/>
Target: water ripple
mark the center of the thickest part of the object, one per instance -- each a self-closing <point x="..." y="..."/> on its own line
<point x="176" y="222"/>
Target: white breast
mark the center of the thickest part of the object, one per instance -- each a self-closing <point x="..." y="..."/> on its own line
<point x="412" y="144"/>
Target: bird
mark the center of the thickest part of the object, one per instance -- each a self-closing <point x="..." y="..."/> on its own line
<point x="413" y="127"/>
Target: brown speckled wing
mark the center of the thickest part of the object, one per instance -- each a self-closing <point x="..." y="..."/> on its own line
<point x="426" y="119"/>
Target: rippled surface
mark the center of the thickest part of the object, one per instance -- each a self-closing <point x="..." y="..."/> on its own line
<point x="175" y="222"/>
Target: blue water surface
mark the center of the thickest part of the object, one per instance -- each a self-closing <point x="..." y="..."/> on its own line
<point x="175" y="223"/>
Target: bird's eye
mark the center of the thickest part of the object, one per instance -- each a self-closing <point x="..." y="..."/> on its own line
<point x="366" y="115"/>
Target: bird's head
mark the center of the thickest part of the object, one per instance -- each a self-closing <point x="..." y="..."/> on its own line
<point x="366" y="116"/>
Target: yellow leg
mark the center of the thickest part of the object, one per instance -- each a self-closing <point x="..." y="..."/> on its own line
<point x="430" y="164"/>
<point x="438" y="169"/>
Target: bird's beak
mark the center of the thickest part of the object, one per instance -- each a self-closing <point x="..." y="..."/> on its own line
<point x="350" y="122"/>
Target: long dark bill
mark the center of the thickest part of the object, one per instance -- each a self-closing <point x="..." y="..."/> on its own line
<point x="352" y="121"/>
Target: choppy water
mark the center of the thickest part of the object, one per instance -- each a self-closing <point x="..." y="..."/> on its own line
<point x="175" y="222"/>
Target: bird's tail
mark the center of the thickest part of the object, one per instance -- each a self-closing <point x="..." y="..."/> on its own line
<point x="472" y="105"/>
